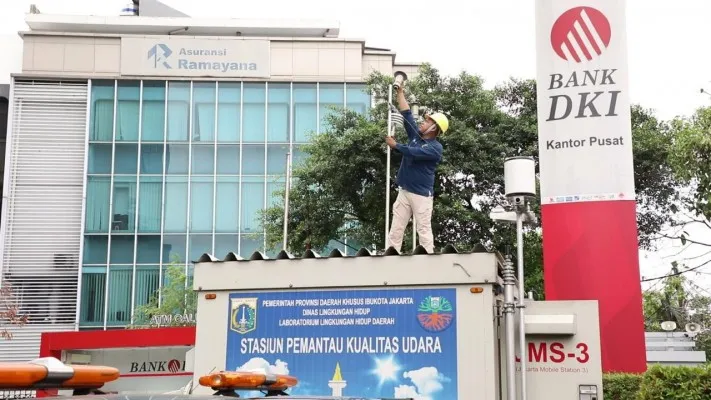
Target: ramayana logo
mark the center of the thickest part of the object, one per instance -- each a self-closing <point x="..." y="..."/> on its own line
<point x="207" y="59"/>
<point x="582" y="34"/>
<point x="159" y="55"/>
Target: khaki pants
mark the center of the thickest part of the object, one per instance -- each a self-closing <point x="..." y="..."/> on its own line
<point x="405" y="206"/>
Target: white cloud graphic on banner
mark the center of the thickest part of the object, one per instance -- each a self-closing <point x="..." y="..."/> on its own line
<point x="258" y="364"/>
<point x="427" y="381"/>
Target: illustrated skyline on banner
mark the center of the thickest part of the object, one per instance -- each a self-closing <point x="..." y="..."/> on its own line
<point x="425" y="383"/>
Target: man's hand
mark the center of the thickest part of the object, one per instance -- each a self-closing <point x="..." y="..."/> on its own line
<point x="391" y="142"/>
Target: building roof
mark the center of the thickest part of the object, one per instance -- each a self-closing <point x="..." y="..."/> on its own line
<point x="285" y="271"/>
<point x="335" y="253"/>
<point x="141" y="25"/>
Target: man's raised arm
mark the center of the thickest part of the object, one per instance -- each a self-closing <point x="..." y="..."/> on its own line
<point x="410" y="123"/>
<point x="401" y="100"/>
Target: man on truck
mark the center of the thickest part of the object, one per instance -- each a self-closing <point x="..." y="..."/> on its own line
<point x="415" y="178"/>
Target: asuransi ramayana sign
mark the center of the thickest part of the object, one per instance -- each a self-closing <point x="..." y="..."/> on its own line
<point x="585" y="139"/>
<point x="195" y="57"/>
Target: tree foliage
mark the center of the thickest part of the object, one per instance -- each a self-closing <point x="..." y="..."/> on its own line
<point x="656" y="185"/>
<point x="339" y="189"/>
<point x="691" y="159"/>
<point x="10" y="316"/>
<point x="177" y="298"/>
<point x="674" y="301"/>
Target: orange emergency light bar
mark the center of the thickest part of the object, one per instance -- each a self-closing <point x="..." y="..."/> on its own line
<point x="91" y="376"/>
<point x="18" y="375"/>
<point x="227" y="380"/>
<point x="51" y="373"/>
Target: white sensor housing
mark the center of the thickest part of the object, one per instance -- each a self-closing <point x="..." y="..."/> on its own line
<point x="400" y="78"/>
<point x="520" y="177"/>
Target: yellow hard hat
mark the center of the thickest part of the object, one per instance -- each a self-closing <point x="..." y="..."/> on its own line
<point x="441" y="121"/>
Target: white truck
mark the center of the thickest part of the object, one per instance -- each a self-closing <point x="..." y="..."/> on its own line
<point x="421" y="326"/>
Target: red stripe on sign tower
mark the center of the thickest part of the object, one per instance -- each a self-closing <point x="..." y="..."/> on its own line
<point x="588" y="211"/>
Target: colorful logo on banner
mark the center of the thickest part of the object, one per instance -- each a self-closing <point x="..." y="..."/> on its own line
<point x="435" y="313"/>
<point x="243" y="315"/>
<point x="581" y="33"/>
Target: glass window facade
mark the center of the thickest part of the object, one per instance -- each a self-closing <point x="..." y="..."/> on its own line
<point x="178" y="168"/>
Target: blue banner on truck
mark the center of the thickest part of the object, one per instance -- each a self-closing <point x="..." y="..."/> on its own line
<point x="370" y="343"/>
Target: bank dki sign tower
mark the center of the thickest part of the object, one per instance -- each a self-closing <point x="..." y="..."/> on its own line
<point x="590" y="248"/>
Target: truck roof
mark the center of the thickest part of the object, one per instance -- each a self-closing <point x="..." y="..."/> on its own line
<point x="336" y="253"/>
<point x="364" y="269"/>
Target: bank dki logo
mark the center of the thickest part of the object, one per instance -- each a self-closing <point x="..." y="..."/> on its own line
<point x="243" y="315"/>
<point x="581" y="33"/>
<point x="159" y="54"/>
<point x="174" y="366"/>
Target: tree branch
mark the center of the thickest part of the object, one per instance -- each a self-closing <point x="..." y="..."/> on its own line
<point x="683" y="249"/>
<point x="682" y="224"/>
<point x="696" y="257"/>
<point x="679" y="272"/>
<point x="686" y="239"/>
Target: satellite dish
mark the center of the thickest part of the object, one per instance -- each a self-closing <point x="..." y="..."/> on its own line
<point x="668" y="325"/>
<point x="692" y="328"/>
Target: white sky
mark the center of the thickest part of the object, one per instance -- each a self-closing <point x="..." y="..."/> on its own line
<point x="669" y="60"/>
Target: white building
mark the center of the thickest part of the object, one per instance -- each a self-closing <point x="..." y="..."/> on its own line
<point x="137" y="140"/>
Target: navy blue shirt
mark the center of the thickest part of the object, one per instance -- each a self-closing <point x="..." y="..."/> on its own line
<point x="419" y="159"/>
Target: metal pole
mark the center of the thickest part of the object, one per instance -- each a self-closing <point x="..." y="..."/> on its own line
<point x="416" y="113"/>
<point x="387" y="169"/>
<point x="521" y="306"/>
<point x="414" y="232"/>
<point x="287" y="188"/>
<point x="509" y="276"/>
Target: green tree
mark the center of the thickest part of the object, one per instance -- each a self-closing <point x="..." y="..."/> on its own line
<point x="339" y="189"/>
<point x="690" y="157"/>
<point x="10" y="316"/>
<point x="657" y="187"/>
<point x="176" y="298"/>
<point x="674" y="301"/>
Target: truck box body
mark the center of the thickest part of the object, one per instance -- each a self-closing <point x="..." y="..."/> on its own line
<point x="393" y="326"/>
